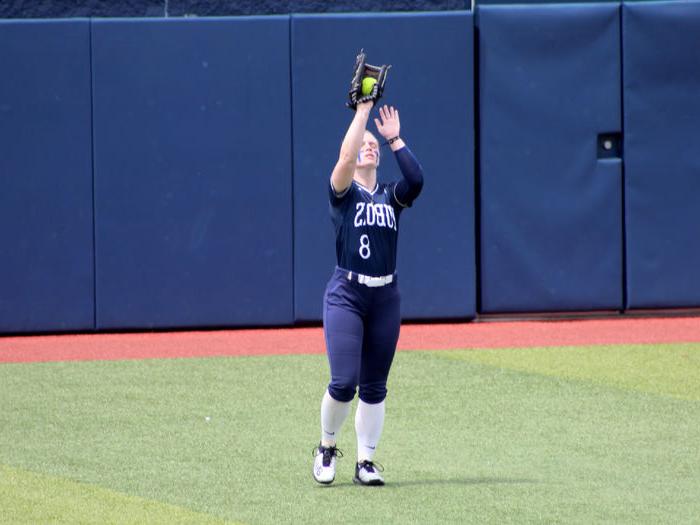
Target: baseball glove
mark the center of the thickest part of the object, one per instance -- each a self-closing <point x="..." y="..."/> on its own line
<point x="362" y="70"/>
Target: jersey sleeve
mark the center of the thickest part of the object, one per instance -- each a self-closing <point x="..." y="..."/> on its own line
<point x="400" y="197"/>
<point x="337" y="199"/>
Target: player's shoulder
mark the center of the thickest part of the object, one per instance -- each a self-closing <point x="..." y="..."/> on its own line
<point x="387" y="187"/>
<point x="339" y="198"/>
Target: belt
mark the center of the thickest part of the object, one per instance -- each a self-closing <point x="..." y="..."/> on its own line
<point x="372" y="282"/>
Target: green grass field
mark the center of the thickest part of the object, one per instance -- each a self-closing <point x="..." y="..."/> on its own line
<point x="548" y="435"/>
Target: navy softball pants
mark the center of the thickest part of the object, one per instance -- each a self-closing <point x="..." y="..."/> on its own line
<point x="361" y="326"/>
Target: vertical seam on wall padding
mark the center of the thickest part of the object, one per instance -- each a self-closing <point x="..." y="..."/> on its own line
<point x="92" y="161"/>
<point x="477" y="164"/>
<point x="291" y="172"/>
<point x="622" y="163"/>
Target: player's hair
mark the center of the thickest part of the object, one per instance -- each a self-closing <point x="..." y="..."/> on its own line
<point x="373" y="135"/>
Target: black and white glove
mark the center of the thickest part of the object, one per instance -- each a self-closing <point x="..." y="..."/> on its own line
<point x="371" y="78"/>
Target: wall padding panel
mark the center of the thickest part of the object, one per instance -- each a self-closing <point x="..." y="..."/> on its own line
<point x="192" y="172"/>
<point x="662" y="163"/>
<point x="46" y="221"/>
<point x="551" y="210"/>
<point x="431" y="83"/>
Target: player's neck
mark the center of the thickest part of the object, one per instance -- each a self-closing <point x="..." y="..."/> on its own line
<point x="367" y="177"/>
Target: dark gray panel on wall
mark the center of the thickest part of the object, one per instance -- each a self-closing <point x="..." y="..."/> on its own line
<point x="177" y="8"/>
<point x="551" y="207"/>
<point x="192" y="172"/>
<point x="662" y="140"/>
<point x="436" y="245"/>
<point x="46" y="254"/>
<point x="239" y="7"/>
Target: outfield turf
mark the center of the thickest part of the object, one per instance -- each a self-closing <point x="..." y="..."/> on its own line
<point x="544" y="435"/>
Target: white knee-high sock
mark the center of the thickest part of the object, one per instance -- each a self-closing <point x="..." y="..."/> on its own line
<point x="333" y="415"/>
<point x="369" y="421"/>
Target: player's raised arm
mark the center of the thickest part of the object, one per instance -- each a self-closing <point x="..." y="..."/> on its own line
<point x="341" y="178"/>
<point x="410" y="186"/>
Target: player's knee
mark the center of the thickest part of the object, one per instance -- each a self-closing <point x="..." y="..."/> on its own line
<point x="373" y="393"/>
<point x="342" y="390"/>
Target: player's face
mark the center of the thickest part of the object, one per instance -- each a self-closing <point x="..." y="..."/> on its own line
<point x="368" y="157"/>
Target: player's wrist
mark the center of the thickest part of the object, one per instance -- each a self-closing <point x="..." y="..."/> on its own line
<point x="395" y="143"/>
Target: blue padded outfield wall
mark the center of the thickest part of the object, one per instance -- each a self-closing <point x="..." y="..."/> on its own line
<point x="192" y="172"/>
<point x="436" y="263"/>
<point x="172" y="173"/>
<point x="46" y="250"/>
<point x="662" y="159"/>
<point x="551" y="211"/>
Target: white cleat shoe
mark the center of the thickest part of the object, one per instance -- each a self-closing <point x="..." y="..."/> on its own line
<point x="324" y="463"/>
<point x="367" y="473"/>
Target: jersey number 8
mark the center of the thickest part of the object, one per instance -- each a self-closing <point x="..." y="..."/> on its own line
<point x="364" y="246"/>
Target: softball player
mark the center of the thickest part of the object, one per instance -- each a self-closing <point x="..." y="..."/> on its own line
<point x="361" y="315"/>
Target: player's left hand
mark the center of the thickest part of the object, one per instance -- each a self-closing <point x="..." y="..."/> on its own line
<point x="390" y="125"/>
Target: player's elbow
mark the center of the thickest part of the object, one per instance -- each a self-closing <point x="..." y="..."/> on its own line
<point x="415" y="187"/>
<point x="418" y="185"/>
<point x="415" y="179"/>
<point x="418" y="173"/>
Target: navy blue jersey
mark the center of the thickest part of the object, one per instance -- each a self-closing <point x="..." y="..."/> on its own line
<point x="366" y="228"/>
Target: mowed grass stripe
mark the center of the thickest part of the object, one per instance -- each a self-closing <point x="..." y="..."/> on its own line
<point x="666" y="369"/>
<point x="465" y="442"/>
<point x="28" y="497"/>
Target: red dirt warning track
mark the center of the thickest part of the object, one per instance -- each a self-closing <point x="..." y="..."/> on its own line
<point x="310" y="340"/>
